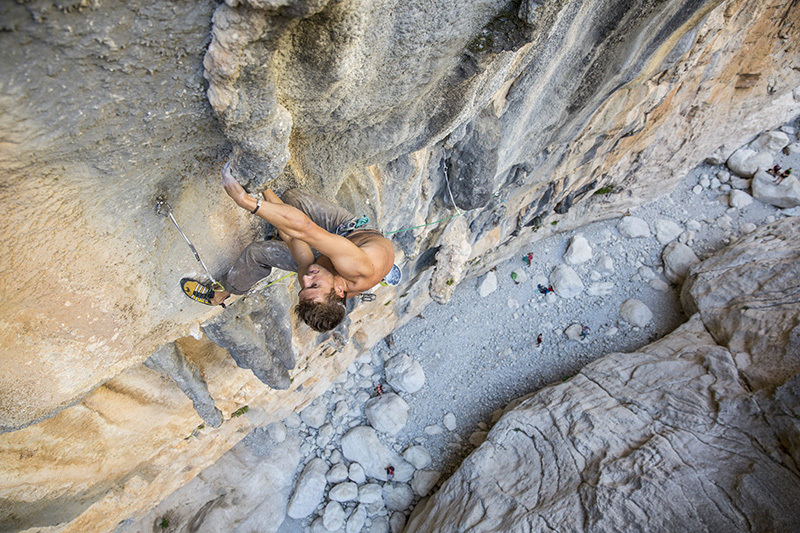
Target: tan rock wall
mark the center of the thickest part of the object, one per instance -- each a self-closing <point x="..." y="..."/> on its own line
<point x="104" y="107"/>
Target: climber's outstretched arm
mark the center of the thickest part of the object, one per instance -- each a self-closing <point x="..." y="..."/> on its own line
<point x="350" y="260"/>
<point x="285" y="218"/>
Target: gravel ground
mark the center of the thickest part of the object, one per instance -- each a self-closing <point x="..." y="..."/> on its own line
<point x="480" y="353"/>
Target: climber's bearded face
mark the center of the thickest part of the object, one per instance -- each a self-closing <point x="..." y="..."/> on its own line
<point x="316" y="284"/>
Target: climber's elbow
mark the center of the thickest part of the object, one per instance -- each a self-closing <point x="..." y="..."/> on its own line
<point x="299" y="226"/>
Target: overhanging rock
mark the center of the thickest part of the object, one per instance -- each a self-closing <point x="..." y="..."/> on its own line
<point x="257" y="331"/>
<point x="170" y="360"/>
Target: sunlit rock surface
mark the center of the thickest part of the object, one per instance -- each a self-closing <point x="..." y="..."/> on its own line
<point x="514" y="112"/>
<point x="671" y="438"/>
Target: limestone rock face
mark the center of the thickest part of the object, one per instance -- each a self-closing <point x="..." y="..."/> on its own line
<point x="747" y="297"/>
<point x="209" y="503"/>
<point x="500" y="119"/>
<point x="643" y="443"/>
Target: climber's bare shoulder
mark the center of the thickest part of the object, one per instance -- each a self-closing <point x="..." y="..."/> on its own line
<point x="380" y="252"/>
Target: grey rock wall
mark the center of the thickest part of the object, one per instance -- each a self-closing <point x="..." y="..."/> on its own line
<point x="671" y="438"/>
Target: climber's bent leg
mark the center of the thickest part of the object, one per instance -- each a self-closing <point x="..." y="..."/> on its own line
<point x="255" y="263"/>
<point x="323" y="212"/>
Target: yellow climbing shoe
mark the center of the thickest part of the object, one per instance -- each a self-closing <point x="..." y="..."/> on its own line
<point x="197" y="291"/>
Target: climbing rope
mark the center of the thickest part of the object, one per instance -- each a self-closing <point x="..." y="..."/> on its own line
<point x="450" y="192"/>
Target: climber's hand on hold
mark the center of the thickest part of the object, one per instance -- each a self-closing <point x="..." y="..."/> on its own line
<point x="234" y="190"/>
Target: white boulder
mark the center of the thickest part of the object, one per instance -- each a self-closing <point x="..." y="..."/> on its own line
<point x="397" y="522"/>
<point x="370" y="493"/>
<point x="573" y="332"/>
<point x="783" y="193"/>
<point x="404" y="373"/>
<point x="578" y="251"/>
<point x="565" y="281"/>
<point x="739" y="199"/>
<point x="387" y="413"/>
<point x="770" y="141"/>
<point x="333" y="516"/>
<point x="344" y="492"/>
<point x="361" y="445"/>
<point x="357" y="520"/>
<point x="678" y="259"/>
<point x="601" y="288"/>
<point x="417" y="456"/>
<point x="604" y="265"/>
<point x="398" y="496"/>
<point x="309" y="490"/>
<point x="356" y="473"/>
<point x="488" y="284"/>
<point x="633" y="227"/>
<point x="314" y="415"/>
<point x="744" y="162"/>
<point x="336" y="474"/>
<point x="635" y="312"/>
<point x="667" y="230"/>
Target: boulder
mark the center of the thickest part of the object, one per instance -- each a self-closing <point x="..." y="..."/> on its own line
<point x="333" y="516"/>
<point x="604" y="265"/>
<point x="739" y="199"/>
<point x="601" y="288"/>
<point x="387" y="413"/>
<point x="667" y="230"/>
<point x="678" y="259"/>
<point x="565" y="281"/>
<point x="398" y="496"/>
<point x="309" y="490"/>
<point x="315" y="414"/>
<point x="336" y="474"/>
<point x="404" y="374"/>
<point x="770" y="141"/>
<point x="343" y="492"/>
<point x="780" y="192"/>
<point x="573" y="332"/>
<point x="747" y="296"/>
<point x="744" y="162"/>
<point x="578" y="251"/>
<point x="357" y="520"/>
<point x="356" y="473"/>
<point x="635" y="313"/>
<point x="397" y="522"/>
<point x="633" y="227"/>
<point x="417" y="456"/>
<point x="361" y="444"/>
<point x="370" y="493"/>
<point x="488" y="284"/>
<point x="380" y="524"/>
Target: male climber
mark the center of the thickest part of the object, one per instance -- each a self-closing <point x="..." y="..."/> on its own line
<point x="348" y="261"/>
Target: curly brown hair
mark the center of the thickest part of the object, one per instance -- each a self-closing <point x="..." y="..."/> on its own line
<point x="322" y="316"/>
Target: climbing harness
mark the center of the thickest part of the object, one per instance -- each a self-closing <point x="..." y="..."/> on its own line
<point x="346" y="228"/>
<point x="165" y="210"/>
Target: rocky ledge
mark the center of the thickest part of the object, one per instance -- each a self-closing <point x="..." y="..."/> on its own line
<point x="693" y="432"/>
